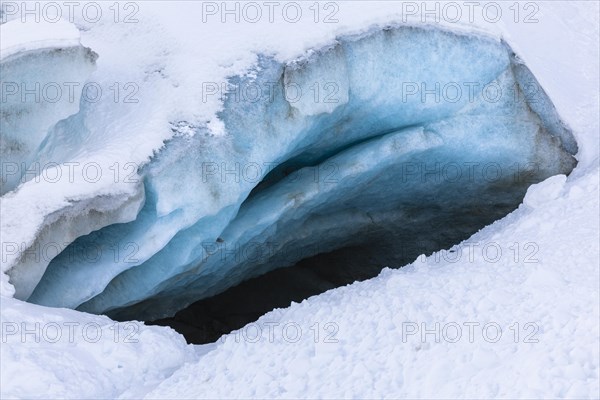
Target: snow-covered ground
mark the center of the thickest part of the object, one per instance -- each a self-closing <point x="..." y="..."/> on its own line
<point x="524" y="325"/>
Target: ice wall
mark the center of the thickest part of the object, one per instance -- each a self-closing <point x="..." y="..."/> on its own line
<point x="45" y="71"/>
<point x="380" y="116"/>
<point x="42" y="83"/>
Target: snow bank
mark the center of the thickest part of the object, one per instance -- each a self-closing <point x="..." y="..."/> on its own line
<point x="50" y="353"/>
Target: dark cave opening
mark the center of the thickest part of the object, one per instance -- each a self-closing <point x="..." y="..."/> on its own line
<point x="386" y="245"/>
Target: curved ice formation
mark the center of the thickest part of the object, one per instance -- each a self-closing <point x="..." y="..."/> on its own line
<point x="382" y="162"/>
<point x="44" y="68"/>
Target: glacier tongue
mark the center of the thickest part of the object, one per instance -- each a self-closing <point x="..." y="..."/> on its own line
<point x="373" y="142"/>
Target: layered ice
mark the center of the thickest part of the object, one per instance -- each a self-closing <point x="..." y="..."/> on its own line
<point x="42" y="83"/>
<point x="45" y="70"/>
<point x="390" y="136"/>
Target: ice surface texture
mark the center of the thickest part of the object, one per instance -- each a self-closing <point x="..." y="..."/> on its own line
<point x="34" y="99"/>
<point x="343" y="164"/>
<point x="44" y="69"/>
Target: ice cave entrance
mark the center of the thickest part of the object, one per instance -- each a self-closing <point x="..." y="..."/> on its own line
<point x="415" y="139"/>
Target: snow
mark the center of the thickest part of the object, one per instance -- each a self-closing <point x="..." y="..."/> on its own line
<point x="558" y="293"/>
<point x="20" y="37"/>
<point x="60" y="353"/>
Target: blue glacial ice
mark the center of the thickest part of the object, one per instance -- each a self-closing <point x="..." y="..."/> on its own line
<point x="413" y="133"/>
<point x="40" y="87"/>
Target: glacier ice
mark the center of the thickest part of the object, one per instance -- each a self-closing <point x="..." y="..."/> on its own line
<point x="41" y="84"/>
<point x="44" y="71"/>
<point x="372" y="147"/>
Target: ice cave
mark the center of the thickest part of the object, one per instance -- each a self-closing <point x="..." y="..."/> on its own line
<point x="364" y="154"/>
